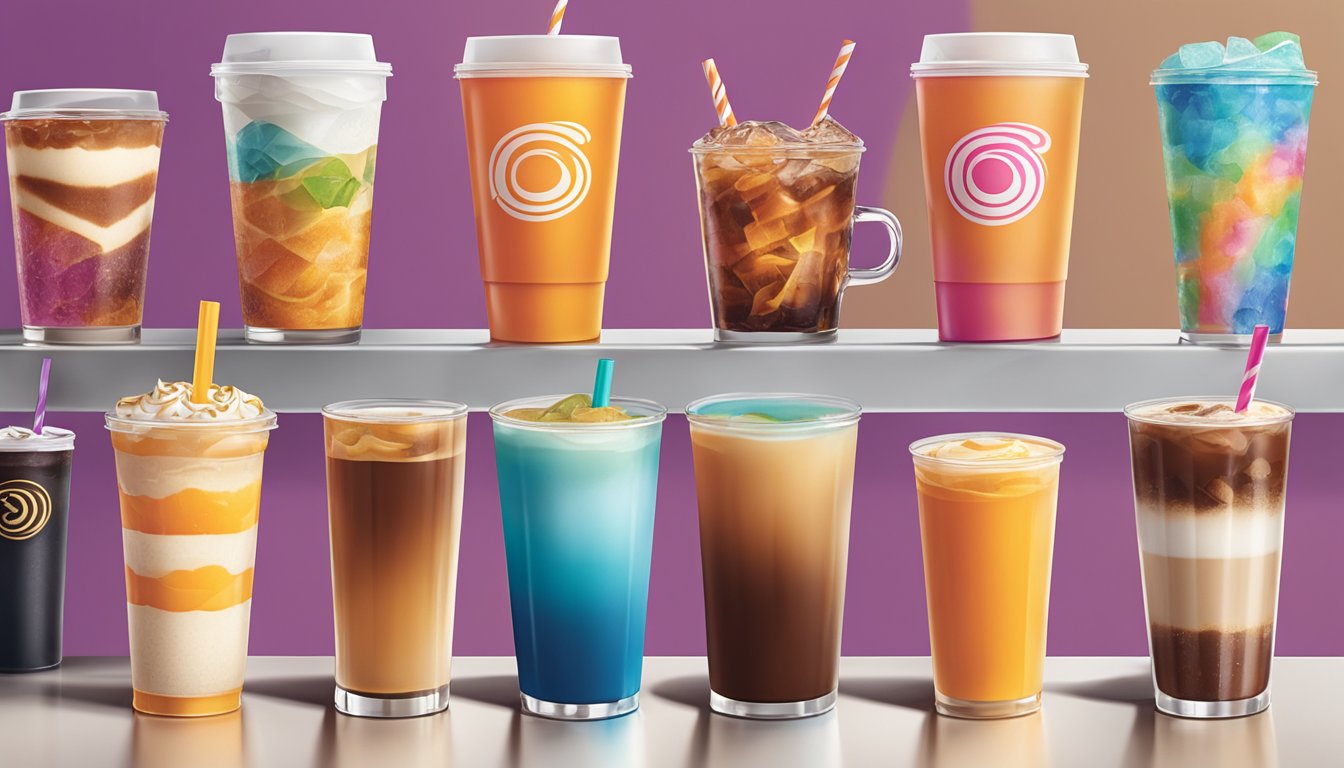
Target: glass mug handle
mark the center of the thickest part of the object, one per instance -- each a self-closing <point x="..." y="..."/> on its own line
<point x="863" y="213"/>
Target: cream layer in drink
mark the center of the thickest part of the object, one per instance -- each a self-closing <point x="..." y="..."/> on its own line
<point x="189" y="477"/>
<point x="1209" y="499"/>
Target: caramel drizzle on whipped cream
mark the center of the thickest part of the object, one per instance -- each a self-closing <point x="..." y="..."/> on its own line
<point x="171" y="401"/>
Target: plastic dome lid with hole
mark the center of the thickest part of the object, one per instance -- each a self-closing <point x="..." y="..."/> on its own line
<point x="299" y="53"/>
<point x="971" y="54"/>
<point x="85" y="103"/>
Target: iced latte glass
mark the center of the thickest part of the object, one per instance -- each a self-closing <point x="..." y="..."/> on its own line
<point x="777" y="212"/>
<point x="1209" y="489"/>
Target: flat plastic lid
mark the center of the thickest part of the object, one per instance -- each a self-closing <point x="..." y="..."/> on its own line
<point x="999" y="54"/>
<point x="85" y="102"/>
<point x="23" y="440"/>
<point x="291" y="53"/>
<point x="595" y="54"/>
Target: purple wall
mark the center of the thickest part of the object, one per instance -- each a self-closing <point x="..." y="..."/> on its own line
<point x="1096" y="606"/>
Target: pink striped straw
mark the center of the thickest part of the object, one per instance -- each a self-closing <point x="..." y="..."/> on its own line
<point x="718" y="93"/>
<point x="837" y="71"/>
<point x="1259" y="338"/>
<point x="40" y="412"/>
<point x="557" y="17"/>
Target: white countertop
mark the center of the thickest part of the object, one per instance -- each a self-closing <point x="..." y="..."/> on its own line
<point x="1098" y="713"/>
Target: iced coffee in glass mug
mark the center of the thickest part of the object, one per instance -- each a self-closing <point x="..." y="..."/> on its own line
<point x="301" y="114"/>
<point x="987" y="524"/>
<point x="777" y="212"/>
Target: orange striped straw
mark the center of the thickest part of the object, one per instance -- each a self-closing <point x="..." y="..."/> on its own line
<point x="841" y="61"/>
<point x="557" y="17"/>
<point x="718" y="93"/>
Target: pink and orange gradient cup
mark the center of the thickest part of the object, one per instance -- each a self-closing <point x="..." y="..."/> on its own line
<point x="999" y="117"/>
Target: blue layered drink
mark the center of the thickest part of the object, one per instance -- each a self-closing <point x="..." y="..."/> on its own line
<point x="577" y="488"/>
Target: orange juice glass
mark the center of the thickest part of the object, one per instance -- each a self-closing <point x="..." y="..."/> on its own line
<point x="190" y="496"/>
<point x="543" y="119"/>
<point x="987" y="521"/>
<point x="999" y="118"/>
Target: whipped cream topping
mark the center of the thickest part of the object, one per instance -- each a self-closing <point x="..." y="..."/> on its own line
<point x="988" y="448"/>
<point x="171" y="401"/>
<point x="24" y="439"/>
<point x="1213" y="413"/>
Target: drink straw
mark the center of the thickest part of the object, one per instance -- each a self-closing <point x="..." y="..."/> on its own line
<point x="207" y="329"/>
<point x="40" y="412"/>
<point x="1259" y="338"/>
<point x="602" y="385"/>
<point x="841" y="61"/>
<point x="718" y="93"/>
<point x="557" y="17"/>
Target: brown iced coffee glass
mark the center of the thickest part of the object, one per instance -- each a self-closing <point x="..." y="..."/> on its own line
<point x="1209" y="488"/>
<point x="777" y="212"/>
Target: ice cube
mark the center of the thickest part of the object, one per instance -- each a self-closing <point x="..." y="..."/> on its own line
<point x="1201" y="55"/>
<point x="759" y="271"/>
<point x="753" y="133"/>
<point x="828" y="131"/>
<point x="753" y="185"/>
<point x="1259" y="469"/>
<point x="1171" y="62"/>
<point x="1271" y="39"/>
<point x="1239" y="48"/>
<point x="777" y="206"/>
<point x="1285" y="55"/>
<point x="1220" y="490"/>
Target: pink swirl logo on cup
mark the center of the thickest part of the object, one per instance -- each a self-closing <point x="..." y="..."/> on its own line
<point x="555" y="143"/>
<point x="995" y="175"/>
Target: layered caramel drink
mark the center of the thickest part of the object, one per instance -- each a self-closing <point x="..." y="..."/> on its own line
<point x="189" y="477"/>
<point x="1209" y="488"/>
<point x="83" y="168"/>
<point x="777" y="213"/>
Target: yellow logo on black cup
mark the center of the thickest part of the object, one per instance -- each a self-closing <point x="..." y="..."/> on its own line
<point x="25" y="508"/>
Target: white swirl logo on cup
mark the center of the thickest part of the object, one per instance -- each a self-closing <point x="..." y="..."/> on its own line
<point x="995" y="175"/>
<point x="25" y="508"/>
<point x="558" y="143"/>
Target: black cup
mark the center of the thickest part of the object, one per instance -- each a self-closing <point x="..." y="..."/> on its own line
<point x="34" y="512"/>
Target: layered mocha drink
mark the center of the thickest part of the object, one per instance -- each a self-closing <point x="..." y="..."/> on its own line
<point x="1209" y="496"/>
<point x="777" y="212"/>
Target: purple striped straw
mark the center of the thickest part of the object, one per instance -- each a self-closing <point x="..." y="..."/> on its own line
<point x="1259" y="338"/>
<point x="40" y="412"/>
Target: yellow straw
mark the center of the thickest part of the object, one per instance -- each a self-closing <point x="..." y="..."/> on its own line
<point x="207" y="329"/>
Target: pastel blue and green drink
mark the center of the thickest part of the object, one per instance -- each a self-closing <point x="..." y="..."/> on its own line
<point x="577" y="488"/>
<point x="301" y="112"/>
<point x="1234" y="133"/>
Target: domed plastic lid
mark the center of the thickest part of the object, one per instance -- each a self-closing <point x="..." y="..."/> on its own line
<point x="981" y="54"/>
<point x="297" y="53"/>
<point x="85" y="103"/>
<point x="542" y="55"/>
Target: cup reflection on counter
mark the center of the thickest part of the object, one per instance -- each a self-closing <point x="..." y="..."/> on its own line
<point x="395" y="472"/>
<point x="207" y="742"/>
<point x="1244" y="742"/>
<point x="414" y="742"/>
<point x="1018" y="742"/>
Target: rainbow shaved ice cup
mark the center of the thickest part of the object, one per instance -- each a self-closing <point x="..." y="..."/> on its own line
<point x="1234" y="133"/>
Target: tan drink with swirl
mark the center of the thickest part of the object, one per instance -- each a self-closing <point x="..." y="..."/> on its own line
<point x="189" y="477"/>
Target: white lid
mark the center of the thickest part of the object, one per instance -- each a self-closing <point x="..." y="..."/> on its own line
<point x="593" y="55"/>
<point x="999" y="53"/>
<point x="85" y="103"/>
<point x="23" y="440"/>
<point x="291" y="53"/>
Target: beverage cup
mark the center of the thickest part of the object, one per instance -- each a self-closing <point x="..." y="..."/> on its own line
<point x="1235" y="144"/>
<point x="301" y="114"/>
<point x="395" y="473"/>
<point x="83" y="168"/>
<point x="777" y="223"/>
<point x="578" y="501"/>
<point x="34" y="515"/>
<point x="774" y="475"/>
<point x="987" y="525"/>
<point x="1209" y="502"/>
<point x="543" y="120"/>
<point x="999" y="117"/>
<point x="190" y="496"/>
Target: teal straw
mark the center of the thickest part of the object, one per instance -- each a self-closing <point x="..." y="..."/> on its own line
<point x="602" y="385"/>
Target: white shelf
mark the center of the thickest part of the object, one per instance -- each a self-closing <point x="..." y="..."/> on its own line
<point x="884" y="370"/>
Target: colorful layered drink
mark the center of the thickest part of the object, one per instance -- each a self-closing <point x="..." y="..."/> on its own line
<point x="577" y="487"/>
<point x="189" y="476"/>
<point x="301" y="114"/>
<point x="83" y="168"/>
<point x="1234" y="132"/>
<point x="1209" y="487"/>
